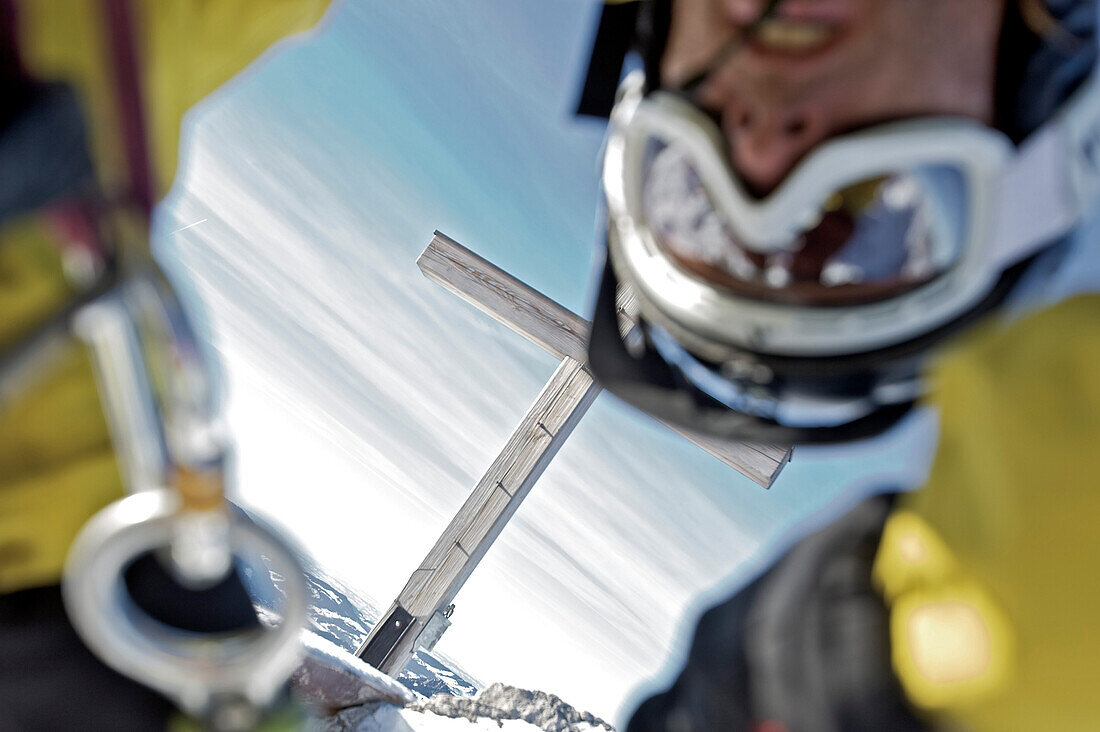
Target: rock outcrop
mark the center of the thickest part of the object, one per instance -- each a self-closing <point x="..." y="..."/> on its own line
<point x="500" y="701"/>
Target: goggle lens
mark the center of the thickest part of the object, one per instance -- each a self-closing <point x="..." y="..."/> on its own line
<point x="868" y="241"/>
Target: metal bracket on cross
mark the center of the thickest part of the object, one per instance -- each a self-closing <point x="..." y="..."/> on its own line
<point x="422" y="608"/>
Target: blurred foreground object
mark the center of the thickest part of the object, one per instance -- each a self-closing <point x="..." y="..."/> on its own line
<point x="227" y="678"/>
<point x="92" y="98"/>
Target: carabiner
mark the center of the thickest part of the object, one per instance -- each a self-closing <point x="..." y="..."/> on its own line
<point x="197" y="671"/>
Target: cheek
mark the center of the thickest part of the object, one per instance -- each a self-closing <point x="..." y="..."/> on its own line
<point x="946" y="51"/>
<point x="698" y="30"/>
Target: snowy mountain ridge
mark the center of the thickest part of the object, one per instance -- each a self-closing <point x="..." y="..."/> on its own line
<point x="338" y="614"/>
<point x="502" y="702"/>
<point x="444" y="695"/>
<point x="500" y="707"/>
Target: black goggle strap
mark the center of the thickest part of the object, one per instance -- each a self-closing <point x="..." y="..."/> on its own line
<point x="642" y="378"/>
<point x="645" y="379"/>
<point x="648" y="382"/>
<point x="625" y="26"/>
<point x="616" y="36"/>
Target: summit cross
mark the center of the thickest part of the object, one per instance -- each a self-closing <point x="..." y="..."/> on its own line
<point x="421" y="611"/>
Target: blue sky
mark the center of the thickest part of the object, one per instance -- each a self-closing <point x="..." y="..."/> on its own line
<point x="366" y="401"/>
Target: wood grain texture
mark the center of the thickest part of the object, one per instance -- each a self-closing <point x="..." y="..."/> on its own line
<point x="493" y="501"/>
<point x="504" y="298"/>
<point x="482" y="524"/>
<point x="760" y="463"/>
<point x="535" y="440"/>
<point x="422" y="595"/>
<point x="563" y="334"/>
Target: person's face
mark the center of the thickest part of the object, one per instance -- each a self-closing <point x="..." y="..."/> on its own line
<point x="820" y="67"/>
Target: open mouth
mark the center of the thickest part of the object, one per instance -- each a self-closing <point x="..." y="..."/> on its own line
<point x="788" y="37"/>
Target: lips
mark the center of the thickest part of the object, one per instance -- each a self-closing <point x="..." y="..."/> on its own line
<point x="745" y="12"/>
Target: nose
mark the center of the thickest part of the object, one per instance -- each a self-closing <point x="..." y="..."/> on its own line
<point x="767" y="142"/>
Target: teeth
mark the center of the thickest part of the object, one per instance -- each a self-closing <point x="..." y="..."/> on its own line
<point x="788" y="35"/>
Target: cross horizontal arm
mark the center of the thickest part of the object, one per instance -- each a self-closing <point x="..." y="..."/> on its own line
<point x="563" y="333"/>
<point x="504" y="298"/>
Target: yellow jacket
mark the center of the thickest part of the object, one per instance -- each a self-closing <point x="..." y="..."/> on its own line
<point x="990" y="570"/>
<point x="56" y="464"/>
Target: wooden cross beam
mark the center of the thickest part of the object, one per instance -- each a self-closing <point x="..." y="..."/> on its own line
<point x="419" y="614"/>
<point x="563" y="334"/>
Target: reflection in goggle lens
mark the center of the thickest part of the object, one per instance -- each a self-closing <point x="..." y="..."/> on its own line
<point x="868" y="241"/>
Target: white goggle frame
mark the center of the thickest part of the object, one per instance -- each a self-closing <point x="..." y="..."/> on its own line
<point x="1018" y="202"/>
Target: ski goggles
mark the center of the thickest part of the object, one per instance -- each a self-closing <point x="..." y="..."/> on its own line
<point x="876" y="237"/>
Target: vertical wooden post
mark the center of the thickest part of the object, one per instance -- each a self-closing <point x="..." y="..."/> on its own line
<point x="433" y="585"/>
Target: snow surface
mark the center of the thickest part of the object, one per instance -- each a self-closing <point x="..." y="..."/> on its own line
<point x="388" y="718"/>
<point x="331" y="678"/>
<point x="502" y="702"/>
<point x="339" y="615"/>
<point x="498" y="707"/>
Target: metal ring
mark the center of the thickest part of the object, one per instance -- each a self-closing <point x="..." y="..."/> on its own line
<point x="190" y="668"/>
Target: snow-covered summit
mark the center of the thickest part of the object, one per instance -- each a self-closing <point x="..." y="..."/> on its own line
<point x="499" y="707"/>
<point x="348" y="695"/>
<point x="502" y="702"/>
<point x="339" y="615"/>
